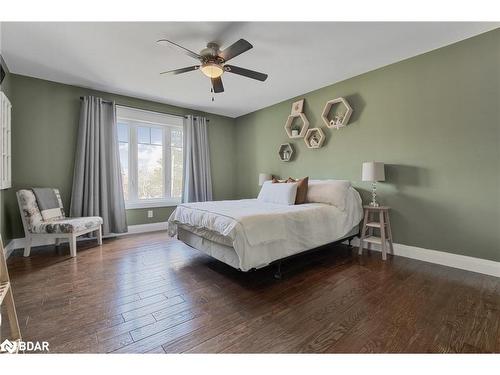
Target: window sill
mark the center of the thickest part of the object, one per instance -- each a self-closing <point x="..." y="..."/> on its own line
<point x="152" y="204"/>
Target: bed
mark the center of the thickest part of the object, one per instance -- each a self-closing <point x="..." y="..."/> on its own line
<point x="249" y="234"/>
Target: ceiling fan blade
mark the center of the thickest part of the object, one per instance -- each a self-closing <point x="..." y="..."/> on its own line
<point x="235" y="49"/>
<point x="181" y="48"/>
<point x="181" y="70"/>
<point x="245" y="72"/>
<point x="217" y="85"/>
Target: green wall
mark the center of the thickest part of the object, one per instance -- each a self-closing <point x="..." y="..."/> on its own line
<point x="44" y="128"/>
<point x="433" y="119"/>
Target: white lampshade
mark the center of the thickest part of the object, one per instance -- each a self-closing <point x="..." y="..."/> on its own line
<point x="373" y="171"/>
<point x="263" y="177"/>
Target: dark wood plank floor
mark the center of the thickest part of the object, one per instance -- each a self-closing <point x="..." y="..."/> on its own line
<point x="148" y="293"/>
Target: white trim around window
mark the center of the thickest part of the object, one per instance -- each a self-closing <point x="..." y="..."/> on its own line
<point x="151" y="203"/>
<point x="142" y="115"/>
<point x="135" y="119"/>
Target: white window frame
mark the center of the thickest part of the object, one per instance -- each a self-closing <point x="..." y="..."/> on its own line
<point x="5" y="142"/>
<point x="134" y="118"/>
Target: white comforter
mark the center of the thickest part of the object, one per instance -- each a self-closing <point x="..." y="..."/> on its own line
<point x="263" y="232"/>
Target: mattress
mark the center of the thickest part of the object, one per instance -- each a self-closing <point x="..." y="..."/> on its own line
<point x="259" y="233"/>
<point x="223" y="252"/>
<point x="226" y="253"/>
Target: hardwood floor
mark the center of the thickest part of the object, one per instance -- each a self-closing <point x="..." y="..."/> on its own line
<point x="147" y="293"/>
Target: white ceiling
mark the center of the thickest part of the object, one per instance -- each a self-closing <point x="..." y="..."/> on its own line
<point x="123" y="58"/>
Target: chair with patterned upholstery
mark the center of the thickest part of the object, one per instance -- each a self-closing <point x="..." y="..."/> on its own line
<point x="58" y="227"/>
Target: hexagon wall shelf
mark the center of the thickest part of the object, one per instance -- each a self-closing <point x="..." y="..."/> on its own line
<point x="303" y="128"/>
<point x="285" y="152"/>
<point x="314" y="138"/>
<point x="339" y="120"/>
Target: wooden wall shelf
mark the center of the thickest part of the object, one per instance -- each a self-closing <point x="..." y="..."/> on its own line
<point x="303" y="128"/>
<point x="285" y="152"/>
<point x="338" y="120"/>
<point x="314" y="138"/>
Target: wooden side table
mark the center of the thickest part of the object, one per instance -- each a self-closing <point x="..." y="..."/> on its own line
<point x="383" y="224"/>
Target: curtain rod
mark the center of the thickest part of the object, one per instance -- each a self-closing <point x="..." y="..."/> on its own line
<point x="142" y="109"/>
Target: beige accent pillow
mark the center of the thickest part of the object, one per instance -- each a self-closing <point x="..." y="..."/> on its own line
<point x="332" y="192"/>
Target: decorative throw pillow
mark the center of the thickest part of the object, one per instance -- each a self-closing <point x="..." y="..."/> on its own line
<point x="49" y="203"/>
<point x="302" y="186"/>
<point x="277" y="181"/>
<point x="278" y="193"/>
<point x="333" y="192"/>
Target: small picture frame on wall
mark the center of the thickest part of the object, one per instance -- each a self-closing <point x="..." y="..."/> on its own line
<point x="297" y="107"/>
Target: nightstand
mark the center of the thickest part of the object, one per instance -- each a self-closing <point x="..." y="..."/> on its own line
<point x="376" y="218"/>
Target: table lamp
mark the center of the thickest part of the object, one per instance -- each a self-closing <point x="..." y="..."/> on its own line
<point x="373" y="171"/>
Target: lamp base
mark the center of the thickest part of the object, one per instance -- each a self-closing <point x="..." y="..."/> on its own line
<point x="374" y="202"/>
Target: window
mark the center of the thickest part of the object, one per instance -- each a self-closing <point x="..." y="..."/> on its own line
<point x="151" y="157"/>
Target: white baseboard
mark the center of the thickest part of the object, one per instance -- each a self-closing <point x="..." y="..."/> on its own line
<point x="144" y="228"/>
<point x="487" y="267"/>
<point x="18" y="243"/>
<point x="484" y="266"/>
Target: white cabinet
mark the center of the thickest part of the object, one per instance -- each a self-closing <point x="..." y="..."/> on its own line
<point x="5" y="142"/>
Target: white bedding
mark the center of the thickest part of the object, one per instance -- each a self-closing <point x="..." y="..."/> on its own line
<point x="263" y="232"/>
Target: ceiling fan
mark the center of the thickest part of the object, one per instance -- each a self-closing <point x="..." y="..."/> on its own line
<point x="213" y="62"/>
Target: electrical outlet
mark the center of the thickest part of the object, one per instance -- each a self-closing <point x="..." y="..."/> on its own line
<point x="150" y="214"/>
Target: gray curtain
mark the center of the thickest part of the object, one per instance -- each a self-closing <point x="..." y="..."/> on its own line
<point x="197" y="175"/>
<point x="97" y="181"/>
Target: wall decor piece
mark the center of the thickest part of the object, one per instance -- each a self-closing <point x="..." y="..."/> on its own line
<point x="301" y="130"/>
<point x="314" y="138"/>
<point x="297" y="107"/>
<point x="285" y="152"/>
<point x="341" y="117"/>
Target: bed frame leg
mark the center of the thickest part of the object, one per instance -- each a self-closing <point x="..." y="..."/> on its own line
<point x="277" y="274"/>
<point x="349" y="243"/>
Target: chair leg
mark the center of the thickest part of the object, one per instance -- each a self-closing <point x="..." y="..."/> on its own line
<point x="27" y="246"/>
<point x="99" y="235"/>
<point x="72" y="246"/>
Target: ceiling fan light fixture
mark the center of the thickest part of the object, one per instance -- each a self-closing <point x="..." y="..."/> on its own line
<point x="213" y="62"/>
<point x="212" y="70"/>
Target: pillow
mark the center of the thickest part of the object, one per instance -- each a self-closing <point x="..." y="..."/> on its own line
<point x="301" y="187"/>
<point x="49" y="203"/>
<point x="278" y="193"/>
<point x="332" y="192"/>
<point x="276" y="181"/>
